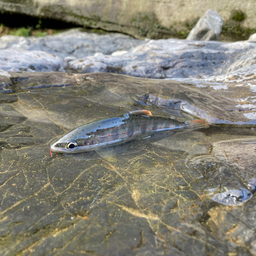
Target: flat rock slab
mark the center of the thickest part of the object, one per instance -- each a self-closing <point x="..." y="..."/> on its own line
<point x="155" y="200"/>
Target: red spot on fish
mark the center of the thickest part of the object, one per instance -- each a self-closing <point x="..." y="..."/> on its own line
<point x="137" y="129"/>
<point x="162" y="122"/>
<point x="108" y="134"/>
<point x="101" y="133"/>
<point x="51" y="152"/>
<point x="157" y="121"/>
<point x="149" y="128"/>
<point x="124" y="132"/>
<point x="129" y="137"/>
<point x="142" y="126"/>
<point x="168" y="125"/>
<point x="131" y="125"/>
<point x="139" y="122"/>
<point x="115" y="128"/>
<point x="133" y="135"/>
<point x="105" y="129"/>
<point x="110" y="128"/>
<point x="159" y="127"/>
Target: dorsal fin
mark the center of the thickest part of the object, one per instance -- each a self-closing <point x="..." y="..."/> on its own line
<point x="141" y="112"/>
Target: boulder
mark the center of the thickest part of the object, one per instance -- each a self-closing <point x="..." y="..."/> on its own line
<point x="207" y="28"/>
<point x="252" y="38"/>
<point x="141" y="19"/>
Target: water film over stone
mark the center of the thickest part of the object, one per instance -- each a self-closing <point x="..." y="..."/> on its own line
<point x="184" y="192"/>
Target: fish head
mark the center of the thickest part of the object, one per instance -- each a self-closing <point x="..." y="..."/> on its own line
<point x="74" y="142"/>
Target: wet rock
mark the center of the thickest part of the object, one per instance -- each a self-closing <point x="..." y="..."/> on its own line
<point x="74" y="43"/>
<point x="207" y="28"/>
<point x="155" y="200"/>
<point x="22" y="60"/>
<point x="170" y="58"/>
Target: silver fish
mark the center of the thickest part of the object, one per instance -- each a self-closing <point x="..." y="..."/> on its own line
<point x="134" y="125"/>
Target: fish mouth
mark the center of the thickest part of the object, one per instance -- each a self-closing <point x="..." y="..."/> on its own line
<point x="58" y="147"/>
<point x="55" y="148"/>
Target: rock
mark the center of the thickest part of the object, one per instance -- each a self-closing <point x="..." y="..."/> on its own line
<point x="155" y="200"/>
<point x="141" y="19"/>
<point x="21" y="60"/>
<point x="74" y="43"/>
<point x="207" y="28"/>
<point x="172" y="58"/>
<point x="252" y="38"/>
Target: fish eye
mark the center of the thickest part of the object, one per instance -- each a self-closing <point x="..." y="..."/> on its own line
<point x="71" y="144"/>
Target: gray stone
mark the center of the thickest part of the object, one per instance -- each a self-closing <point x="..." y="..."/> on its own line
<point x="173" y="58"/>
<point x="22" y="60"/>
<point x="72" y="43"/>
<point x="207" y="28"/>
<point x="150" y="19"/>
<point x="252" y="38"/>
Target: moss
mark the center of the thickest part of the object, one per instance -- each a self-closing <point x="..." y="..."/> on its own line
<point x="238" y="15"/>
<point x="22" y="32"/>
<point x="233" y="28"/>
<point x="41" y="34"/>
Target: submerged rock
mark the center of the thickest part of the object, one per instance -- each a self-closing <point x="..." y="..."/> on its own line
<point x="207" y="28"/>
<point x="153" y="199"/>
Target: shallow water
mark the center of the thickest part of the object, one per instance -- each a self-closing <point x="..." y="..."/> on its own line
<point x="152" y="198"/>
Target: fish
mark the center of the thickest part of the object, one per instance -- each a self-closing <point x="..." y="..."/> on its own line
<point x="135" y="125"/>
